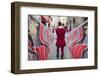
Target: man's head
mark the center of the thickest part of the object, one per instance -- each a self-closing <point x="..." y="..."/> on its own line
<point x="59" y="24"/>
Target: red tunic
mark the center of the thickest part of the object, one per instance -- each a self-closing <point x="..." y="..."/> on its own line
<point x="60" y="37"/>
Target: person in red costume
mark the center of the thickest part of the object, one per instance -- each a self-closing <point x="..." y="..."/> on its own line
<point x="60" y="43"/>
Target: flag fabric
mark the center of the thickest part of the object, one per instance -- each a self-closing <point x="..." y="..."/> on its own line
<point x="77" y="50"/>
<point x="31" y="51"/>
<point x="42" y="34"/>
<point x="42" y="52"/>
<point x="73" y="38"/>
<point x="45" y="39"/>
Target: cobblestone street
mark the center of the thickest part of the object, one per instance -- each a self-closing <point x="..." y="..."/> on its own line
<point x="53" y="52"/>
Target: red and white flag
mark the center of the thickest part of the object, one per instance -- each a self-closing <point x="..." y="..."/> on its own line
<point x="73" y="38"/>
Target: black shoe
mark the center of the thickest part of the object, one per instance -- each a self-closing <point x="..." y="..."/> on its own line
<point x="62" y="57"/>
<point x="57" y="56"/>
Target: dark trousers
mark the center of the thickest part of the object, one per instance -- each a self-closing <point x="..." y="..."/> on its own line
<point x="62" y="52"/>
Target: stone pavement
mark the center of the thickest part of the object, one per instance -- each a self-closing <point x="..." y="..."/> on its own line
<point x="52" y="54"/>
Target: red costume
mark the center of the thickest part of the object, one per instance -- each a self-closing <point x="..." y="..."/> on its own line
<point x="60" y="43"/>
<point x="60" y="37"/>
